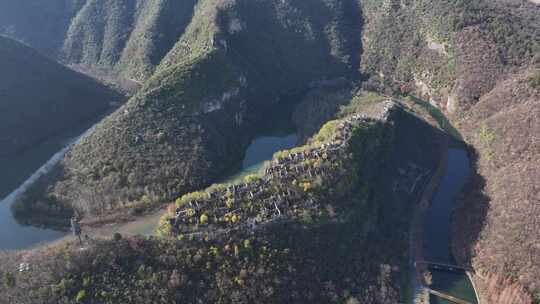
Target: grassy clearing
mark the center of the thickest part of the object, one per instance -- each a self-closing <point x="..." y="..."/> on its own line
<point x="487" y="137"/>
<point x="534" y="80"/>
<point x="361" y="101"/>
<point x="438" y="115"/>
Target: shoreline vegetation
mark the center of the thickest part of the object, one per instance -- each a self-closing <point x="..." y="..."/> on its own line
<point x="365" y="145"/>
<point x="203" y="77"/>
<point x="150" y="206"/>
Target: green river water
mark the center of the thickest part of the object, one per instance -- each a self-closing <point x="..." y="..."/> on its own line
<point x="21" y="172"/>
<point x="437" y="229"/>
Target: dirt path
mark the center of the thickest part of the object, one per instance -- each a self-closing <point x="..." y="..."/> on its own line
<point x="144" y="225"/>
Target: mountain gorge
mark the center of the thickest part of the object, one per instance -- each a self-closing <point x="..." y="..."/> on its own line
<point x="477" y="60"/>
<point x="210" y="86"/>
<point x="205" y="76"/>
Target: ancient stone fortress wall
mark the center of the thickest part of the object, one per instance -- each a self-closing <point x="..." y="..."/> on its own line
<point x="285" y="191"/>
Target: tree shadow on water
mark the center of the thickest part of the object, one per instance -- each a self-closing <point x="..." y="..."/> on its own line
<point x="469" y="218"/>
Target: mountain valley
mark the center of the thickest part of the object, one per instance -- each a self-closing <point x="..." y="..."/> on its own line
<point x="377" y="92"/>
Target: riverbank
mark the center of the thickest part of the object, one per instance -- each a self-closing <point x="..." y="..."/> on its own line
<point x="260" y="150"/>
<point x="431" y="230"/>
<point x="417" y="224"/>
<point x="15" y="235"/>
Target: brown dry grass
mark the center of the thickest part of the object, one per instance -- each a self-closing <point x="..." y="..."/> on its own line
<point x="499" y="216"/>
<point x="495" y="289"/>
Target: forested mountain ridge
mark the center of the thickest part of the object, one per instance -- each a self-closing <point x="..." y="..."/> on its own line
<point x="211" y="69"/>
<point x="334" y="239"/>
<point x="118" y="41"/>
<point x="188" y="124"/>
<point x="479" y="60"/>
<point x="40" y="98"/>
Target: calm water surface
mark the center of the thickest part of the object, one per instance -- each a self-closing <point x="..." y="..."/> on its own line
<point x="261" y="150"/>
<point x="16" y="175"/>
<point x="437" y="229"/>
<point x="19" y="173"/>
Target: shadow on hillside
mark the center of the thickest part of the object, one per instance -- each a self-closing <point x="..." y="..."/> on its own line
<point x="470" y="215"/>
<point x="34" y="208"/>
<point x="370" y="229"/>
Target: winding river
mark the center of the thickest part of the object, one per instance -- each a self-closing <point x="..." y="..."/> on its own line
<point x="15" y="236"/>
<point x="18" y="174"/>
<point x="259" y="151"/>
<point x="437" y="221"/>
<point x="437" y="229"/>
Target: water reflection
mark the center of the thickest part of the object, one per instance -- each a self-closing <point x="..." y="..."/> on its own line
<point x="261" y="150"/>
<point x="437" y="229"/>
<point x="14" y="236"/>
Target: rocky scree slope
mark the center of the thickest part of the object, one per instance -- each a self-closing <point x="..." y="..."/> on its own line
<point x="286" y="236"/>
<point x="479" y="61"/>
<point x="40" y="98"/>
<point x="187" y="125"/>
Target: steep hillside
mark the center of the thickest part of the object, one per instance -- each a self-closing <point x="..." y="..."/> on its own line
<point x="192" y="120"/>
<point x="124" y="41"/>
<point x="451" y="51"/>
<point x="40" y="24"/>
<point x="476" y="59"/>
<point x="319" y="225"/>
<point x="212" y="70"/>
<point x="127" y="37"/>
<point x="499" y="219"/>
<point x="40" y="98"/>
<point x="117" y="41"/>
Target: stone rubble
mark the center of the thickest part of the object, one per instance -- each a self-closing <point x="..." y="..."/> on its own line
<point x="248" y="206"/>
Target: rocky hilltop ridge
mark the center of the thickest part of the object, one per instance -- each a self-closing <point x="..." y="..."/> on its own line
<point x="282" y="192"/>
<point x="338" y="234"/>
<point x="210" y="71"/>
